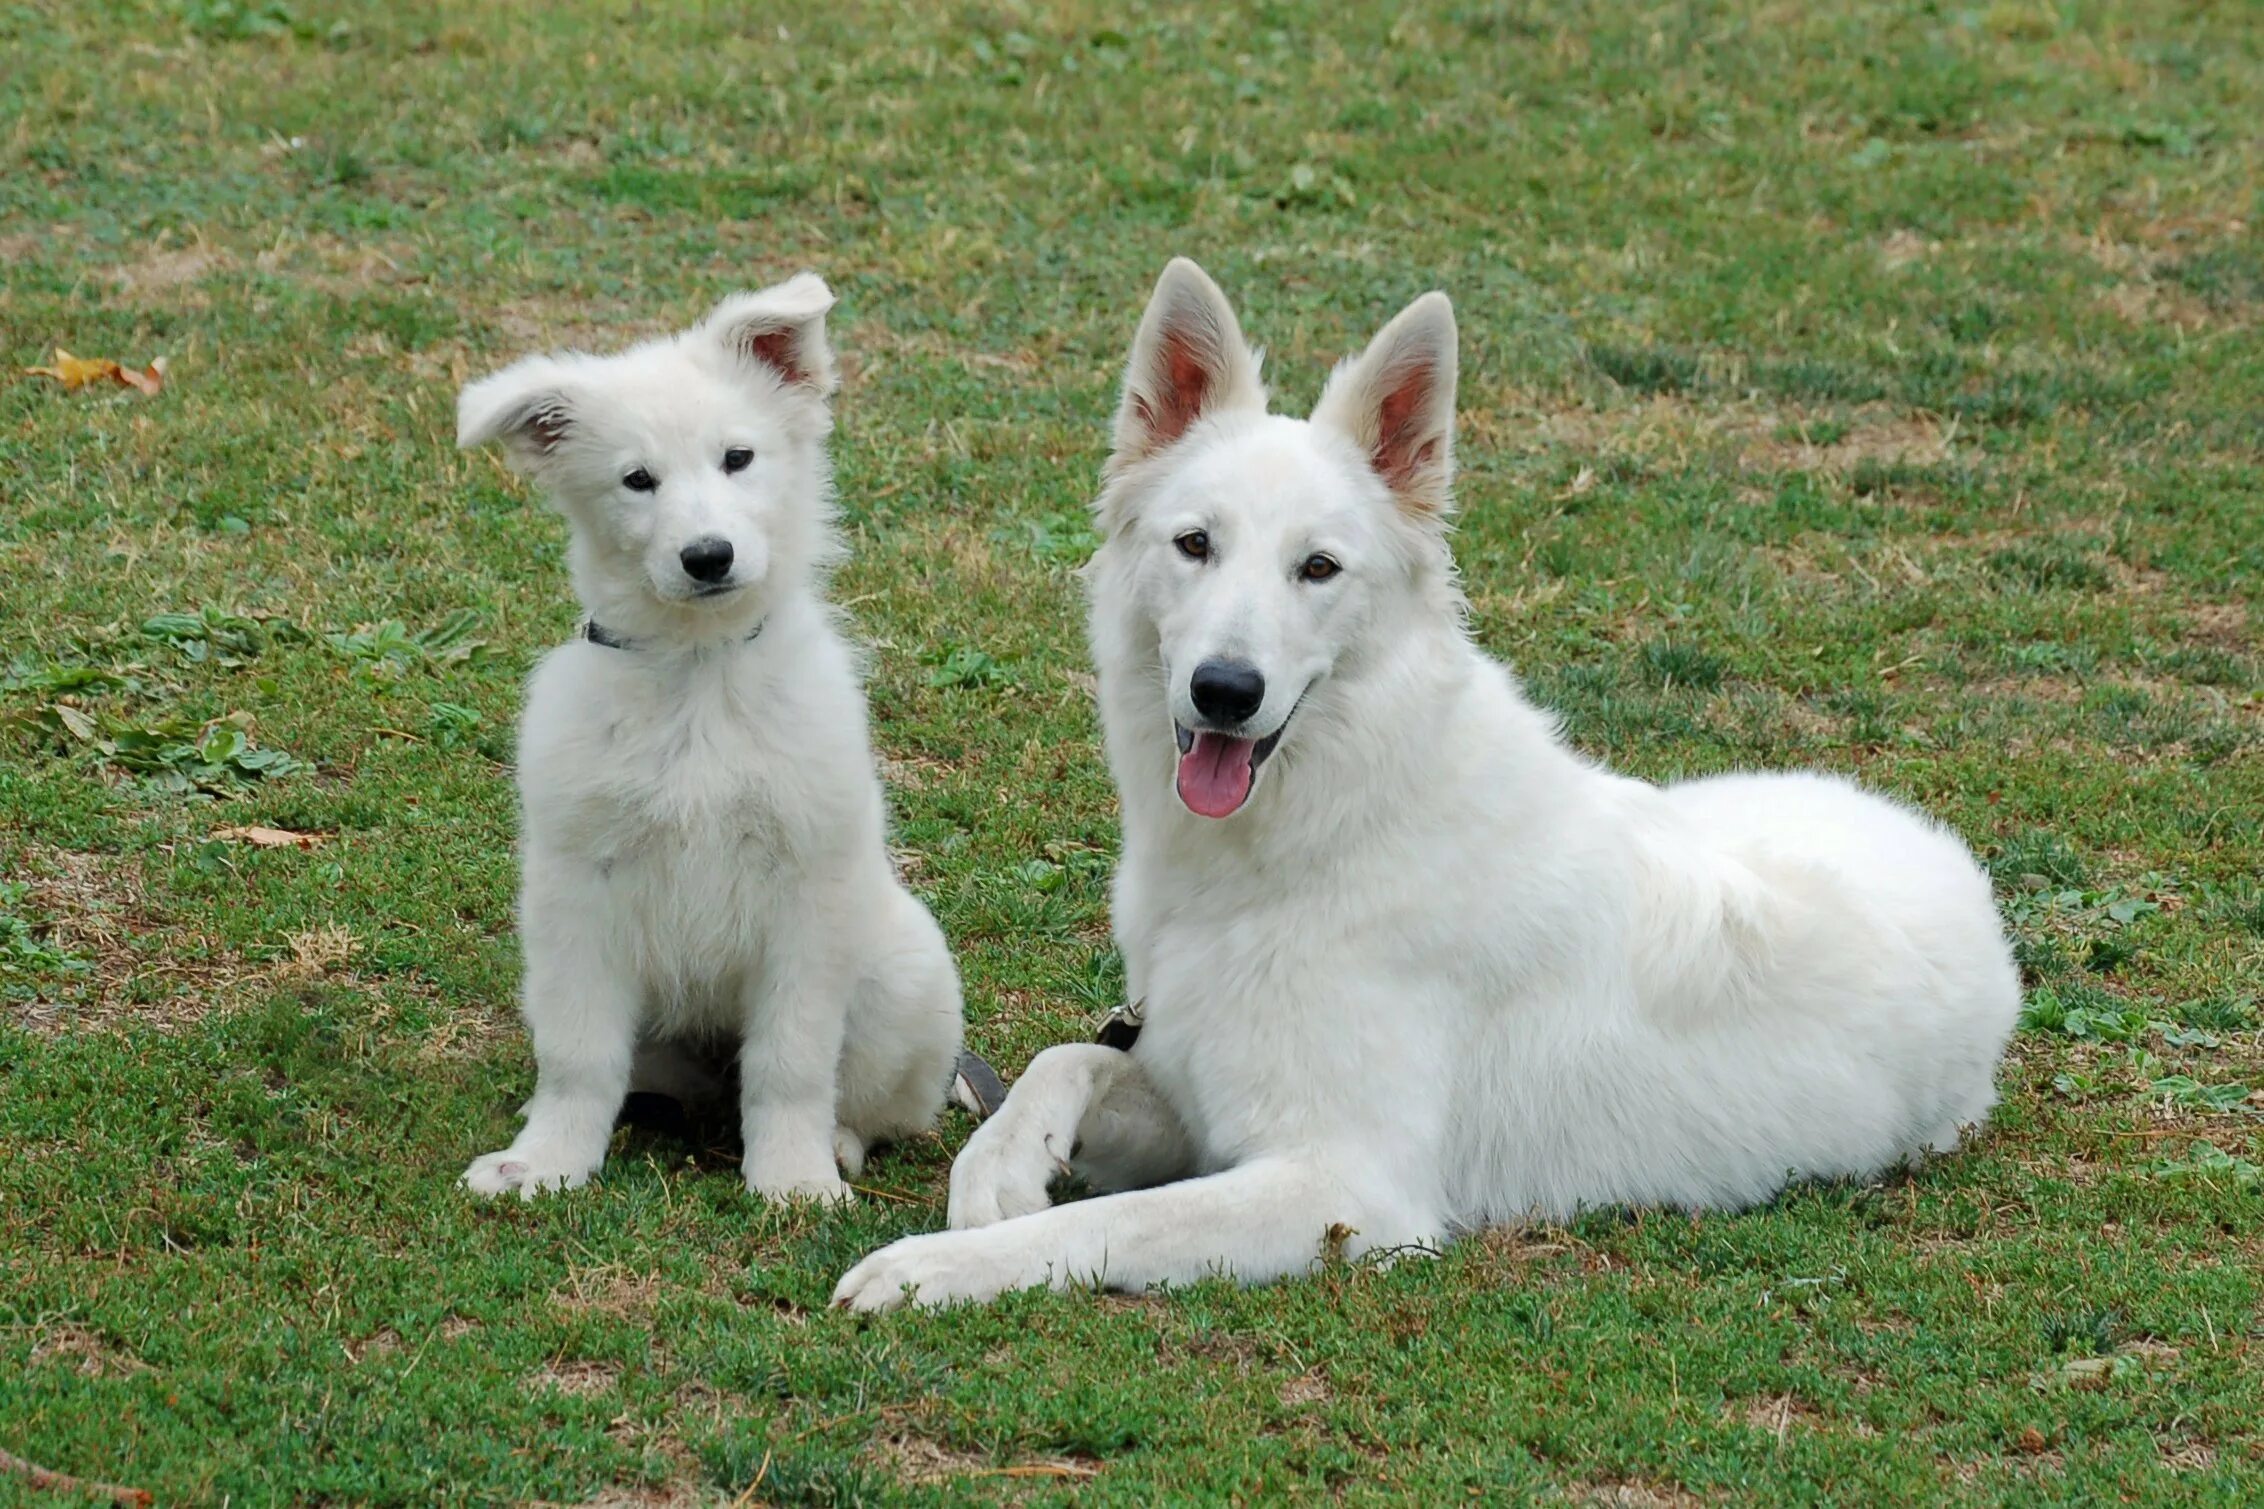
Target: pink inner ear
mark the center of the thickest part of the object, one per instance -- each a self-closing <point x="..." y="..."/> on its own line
<point x="1183" y="381"/>
<point x="547" y="426"/>
<point x="1402" y="451"/>
<point x="780" y="350"/>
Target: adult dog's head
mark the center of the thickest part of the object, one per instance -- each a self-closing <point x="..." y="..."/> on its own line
<point x="692" y="468"/>
<point x="1266" y="555"/>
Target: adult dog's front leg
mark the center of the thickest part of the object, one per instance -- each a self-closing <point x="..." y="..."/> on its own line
<point x="1078" y="1099"/>
<point x="581" y="1009"/>
<point x="789" y="1068"/>
<point x="1265" y="1219"/>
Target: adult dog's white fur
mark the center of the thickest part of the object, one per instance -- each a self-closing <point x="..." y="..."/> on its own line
<point x="704" y="862"/>
<point x="1439" y="970"/>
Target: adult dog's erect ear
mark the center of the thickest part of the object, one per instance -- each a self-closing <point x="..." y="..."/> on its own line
<point x="1396" y="401"/>
<point x="781" y="329"/>
<point x="529" y="406"/>
<point x="1188" y="360"/>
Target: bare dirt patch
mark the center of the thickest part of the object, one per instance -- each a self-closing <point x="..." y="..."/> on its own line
<point x="86" y="1352"/>
<point x="333" y="265"/>
<point x="170" y="273"/>
<point x="1634" y="1493"/>
<point x="677" y="1495"/>
<point x="565" y="323"/>
<point x="96" y="906"/>
<point x="1674" y="430"/>
<point x="576" y="1379"/>
<point x="2221" y="625"/>
<point x="610" y="1289"/>
<point x="101" y="909"/>
<point x="913" y="1458"/>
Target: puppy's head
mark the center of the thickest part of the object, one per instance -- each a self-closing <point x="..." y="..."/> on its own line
<point x="1265" y="553"/>
<point x="692" y="468"/>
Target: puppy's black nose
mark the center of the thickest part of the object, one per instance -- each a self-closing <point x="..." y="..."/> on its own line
<point x="707" y="559"/>
<point x="1226" y="691"/>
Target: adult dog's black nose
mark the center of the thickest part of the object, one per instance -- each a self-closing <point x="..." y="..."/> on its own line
<point x="1227" y="691"/>
<point x="707" y="559"/>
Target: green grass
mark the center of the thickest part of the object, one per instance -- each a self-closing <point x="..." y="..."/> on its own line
<point x="1868" y="386"/>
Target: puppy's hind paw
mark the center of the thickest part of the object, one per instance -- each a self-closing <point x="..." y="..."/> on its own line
<point x="848" y="1152"/>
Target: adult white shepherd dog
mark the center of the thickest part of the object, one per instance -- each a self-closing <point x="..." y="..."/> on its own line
<point x="1411" y="966"/>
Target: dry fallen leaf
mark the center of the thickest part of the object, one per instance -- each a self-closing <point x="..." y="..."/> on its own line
<point x="75" y="372"/>
<point x="147" y="381"/>
<point x="273" y="838"/>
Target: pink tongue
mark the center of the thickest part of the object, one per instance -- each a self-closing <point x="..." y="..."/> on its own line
<point x="1215" y="774"/>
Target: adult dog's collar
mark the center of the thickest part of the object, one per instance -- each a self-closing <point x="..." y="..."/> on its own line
<point x="1122" y="1029"/>
<point x="597" y="633"/>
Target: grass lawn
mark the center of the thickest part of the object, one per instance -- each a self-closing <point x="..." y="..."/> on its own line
<point x="1872" y="386"/>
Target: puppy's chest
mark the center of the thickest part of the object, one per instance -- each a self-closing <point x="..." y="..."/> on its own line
<point x="684" y="788"/>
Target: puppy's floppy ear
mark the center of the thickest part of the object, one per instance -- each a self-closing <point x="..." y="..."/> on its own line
<point x="1188" y="360"/>
<point x="782" y="330"/>
<point x="1396" y="402"/>
<point x="530" y="406"/>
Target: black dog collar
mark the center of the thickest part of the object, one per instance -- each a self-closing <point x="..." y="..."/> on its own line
<point x="597" y="633"/>
<point x="1122" y="1029"/>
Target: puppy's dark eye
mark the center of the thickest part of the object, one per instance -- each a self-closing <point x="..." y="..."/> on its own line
<point x="1318" y="567"/>
<point x="738" y="459"/>
<point x="1194" y="544"/>
<point x="641" y="481"/>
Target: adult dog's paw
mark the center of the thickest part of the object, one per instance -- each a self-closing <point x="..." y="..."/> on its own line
<point x="943" y="1268"/>
<point x="1001" y="1173"/>
<point x="530" y="1171"/>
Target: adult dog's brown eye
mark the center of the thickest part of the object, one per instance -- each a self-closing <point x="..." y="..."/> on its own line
<point x="738" y="459"/>
<point x="1194" y="544"/>
<point x="641" y="481"/>
<point x="1318" y="567"/>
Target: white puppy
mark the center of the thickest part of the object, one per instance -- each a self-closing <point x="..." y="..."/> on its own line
<point x="704" y="860"/>
<point x="1411" y="965"/>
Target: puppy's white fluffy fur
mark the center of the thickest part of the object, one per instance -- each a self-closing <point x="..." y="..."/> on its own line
<point x="1436" y="970"/>
<point x="704" y="863"/>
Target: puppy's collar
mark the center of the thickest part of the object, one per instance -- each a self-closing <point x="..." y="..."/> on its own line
<point x="597" y="633"/>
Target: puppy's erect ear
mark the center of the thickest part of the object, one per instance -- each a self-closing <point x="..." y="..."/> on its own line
<point x="1188" y="360"/>
<point x="1396" y="401"/>
<point x="529" y="406"/>
<point x="781" y="329"/>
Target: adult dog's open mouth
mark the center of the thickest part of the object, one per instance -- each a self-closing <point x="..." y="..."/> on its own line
<point x="1217" y="771"/>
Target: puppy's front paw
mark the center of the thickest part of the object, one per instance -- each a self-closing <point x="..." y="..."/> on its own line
<point x="530" y="1171"/>
<point x="823" y="1187"/>
<point x="946" y="1267"/>
<point x="998" y="1177"/>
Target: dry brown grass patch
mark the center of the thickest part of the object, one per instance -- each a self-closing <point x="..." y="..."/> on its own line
<point x="576" y="1379"/>
<point x="1676" y="430"/>
<point x="609" y="1289"/>
<point x="1635" y="1493"/>
<point x="97" y="907"/>
<point x="87" y="1352"/>
<point x="169" y="273"/>
<point x="333" y="265"/>
<point x="912" y="1458"/>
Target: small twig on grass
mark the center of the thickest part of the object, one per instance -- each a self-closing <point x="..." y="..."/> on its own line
<point x="890" y="1194"/>
<point x="1041" y="1470"/>
<point x="748" y="1497"/>
<point x="63" y="1482"/>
